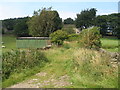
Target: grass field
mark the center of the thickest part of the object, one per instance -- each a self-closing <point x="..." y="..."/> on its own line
<point x="110" y="44"/>
<point x="9" y="42"/>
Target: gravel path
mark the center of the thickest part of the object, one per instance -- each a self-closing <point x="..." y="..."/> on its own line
<point x="38" y="83"/>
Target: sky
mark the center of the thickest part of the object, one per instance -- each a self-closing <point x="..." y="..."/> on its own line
<point x="23" y="8"/>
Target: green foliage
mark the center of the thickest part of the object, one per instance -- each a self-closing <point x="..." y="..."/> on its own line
<point x="44" y="22"/>
<point x="69" y="21"/>
<point x="108" y="22"/>
<point x="69" y="60"/>
<point x="85" y="18"/>
<point x="93" y="69"/>
<point x="21" y="28"/>
<point x="58" y="37"/>
<point x="69" y="30"/>
<point x="118" y="32"/>
<point x="90" y="38"/>
<point x="73" y="37"/>
<point x="18" y="61"/>
<point x="76" y="63"/>
<point x="101" y="21"/>
<point x="9" y="23"/>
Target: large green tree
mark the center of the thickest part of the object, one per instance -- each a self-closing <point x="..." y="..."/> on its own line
<point x="69" y="21"/>
<point x="44" y="22"/>
<point x="101" y="21"/>
<point x="86" y="18"/>
<point x="108" y="23"/>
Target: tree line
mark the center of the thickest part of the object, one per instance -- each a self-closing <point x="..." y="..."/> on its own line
<point x="45" y="21"/>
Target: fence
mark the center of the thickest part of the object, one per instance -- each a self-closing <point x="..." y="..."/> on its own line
<point x="32" y="42"/>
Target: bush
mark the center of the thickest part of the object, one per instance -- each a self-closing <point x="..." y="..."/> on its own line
<point x="58" y="37"/>
<point x="17" y="61"/>
<point x="69" y="30"/>
<point x="90" y="38"/>
<point x="73" y="37"/>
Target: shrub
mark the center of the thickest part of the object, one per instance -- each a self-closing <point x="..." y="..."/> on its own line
<point x="69" y="30"/>
<point x="17" y="61"/>
<point x="73" y="37"/>
<point x="90" y="38"/>
<point x="58" y="37"/>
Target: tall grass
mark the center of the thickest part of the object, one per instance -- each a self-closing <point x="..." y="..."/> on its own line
<point x="94" y="69"/>
<point x="17" y="61"/>
<point x="86" y="68"/>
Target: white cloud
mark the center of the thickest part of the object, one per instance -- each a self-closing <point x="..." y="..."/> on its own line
<point x="11" y="12"/>
<point x="105" y="12"/>
<point x="65" y="15"/>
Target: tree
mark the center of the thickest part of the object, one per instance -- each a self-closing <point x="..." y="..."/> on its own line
<point x="69" y="21"/>
<point x="21" y="28"/>
<point x="9" y="23"/>
<point x="58" y="37"/>
<point x="113" y="20"/>
<point x="101" y="21"/>
<point x="108" y="23"/>
<point x="86" y="18"/>
<point x="117" y="30"/>
<point x="44" y="22"/>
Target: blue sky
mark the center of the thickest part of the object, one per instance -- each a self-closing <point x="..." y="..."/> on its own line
<point x="65" y="9"/>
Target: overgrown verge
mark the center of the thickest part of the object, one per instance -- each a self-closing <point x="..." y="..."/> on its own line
<point x="18" y="62"/>
<point x="92" y="69"/>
